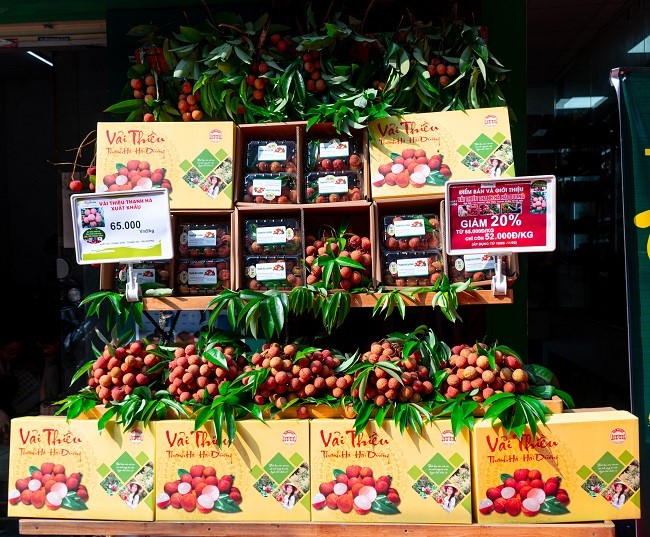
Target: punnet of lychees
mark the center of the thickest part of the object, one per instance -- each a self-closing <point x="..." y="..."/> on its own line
<point x="351" y="254"/>
<point x="485" y="371"/>
<point x="121" y="368"/>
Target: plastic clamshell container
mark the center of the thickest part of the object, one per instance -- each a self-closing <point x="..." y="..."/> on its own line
<point x="273" y="236"/>
<point x="270" y="188"/>
<point x="268" y="156"/>
<point x="412" y="269"/>
<point x="333" y="187"/>
<point x="272" y="272"/>
<point x="204" y="240"/>
<point x="333" y="155"/>
<point x="202" y="276"/>
<point x="411" y="232"/>
<point x="145" y="272"/>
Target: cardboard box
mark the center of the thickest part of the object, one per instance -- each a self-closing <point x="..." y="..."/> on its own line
<point x="70" y="469"/>
<point x="406" y="475"/>
<point x="416" y="154"/>
<point x="585" y="453"/>
<point x="194" y="161"/>
<point x="247" y="480"/>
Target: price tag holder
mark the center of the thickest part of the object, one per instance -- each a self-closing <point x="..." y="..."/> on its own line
<point x="500" y="215"/>
<point x="122" y="226"/>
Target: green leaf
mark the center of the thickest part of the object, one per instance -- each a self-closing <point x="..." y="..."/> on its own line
<point x="384" y="506"/>
<point x="124" y="107"/>
<point x="225" y="504"/>
<point x="191" y="35"/>
<point x="73" y="502"/>
<point x="552" y="506"/>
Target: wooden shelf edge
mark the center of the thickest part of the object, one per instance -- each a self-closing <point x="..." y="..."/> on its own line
<point x="316" y="529"/>
<point x="359" y="300"/>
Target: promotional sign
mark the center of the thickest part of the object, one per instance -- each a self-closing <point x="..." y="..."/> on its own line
<point x="500" y="215"/>
<point x="122" y="226"/>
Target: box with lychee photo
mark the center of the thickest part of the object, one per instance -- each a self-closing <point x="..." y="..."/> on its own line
<point x="416" y="154"/>
<point x="263" y="475"/>
<point x="382" y="475"/>
<point x="193" y="161"/>
<point x="73" y="470"/>
<point x="578" y="467"/>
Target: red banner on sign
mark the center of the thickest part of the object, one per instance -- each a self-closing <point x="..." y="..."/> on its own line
<point x="500" y="216"/>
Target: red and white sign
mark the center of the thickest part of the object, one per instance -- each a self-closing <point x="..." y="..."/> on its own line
<point x="500" y="215"/>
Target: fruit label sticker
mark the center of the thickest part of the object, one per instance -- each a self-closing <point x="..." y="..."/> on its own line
<point x="271" y="152"/>
<point x="332" y="184"/>
<point x="119" y="227"/>
<point x="202" y="237"/>
<point x="271" y="271"/>
<point x="334" y="149"/>
<point x="274" y="235"/>
<point x="501" y="215"/>
<point x="202" y="276"/>
<point x="409" y="267"/>
<point x="475" y="262"/>
<point x="407" y="228"/>
<point x="267" y="188"/>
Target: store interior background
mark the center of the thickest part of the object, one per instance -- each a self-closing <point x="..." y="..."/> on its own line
<point x="572" y="300"/>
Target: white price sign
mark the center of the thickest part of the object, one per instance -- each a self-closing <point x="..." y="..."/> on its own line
<point x="122" y="226"/>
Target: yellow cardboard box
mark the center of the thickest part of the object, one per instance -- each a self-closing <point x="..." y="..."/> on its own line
<point x="194" y="161"/>
<point x="262" y="476"/>
<point x="581" y="466"/>
<point x="383" y="476"/>
<point x="416" y="154"/>
<point x="70" y="469"/>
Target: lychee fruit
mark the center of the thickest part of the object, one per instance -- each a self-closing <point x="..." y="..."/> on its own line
<point x="550" y="488"/>
<point x="188" y="502"/>
<point x="14" y="497"/>
<point x="530" y="506"/>
<point x="60" y="488"/>
<point x="353" y="470"/>
<point x="486" y="506"/>
<point x="163" y="500"/>
<point x="184" y="487"/>
<point x="344" y="502"/>
<point x="562" y="497"/>
<point x="369" y="492"/>
<point x="521" y="474"/>
<point x="508" y="492"/>
<point x="538" y="494"/>
<point x="331" y="501"/>
<point x="204" y="503"/>
<point x="212" y="491"/>
<point x="493" y="493"/>
<point x="513" y="506"/>
<point x="318" y="501"/>
<point x="326" y="488"/>
<point x="197" y="470"/>
<point x="53" y="500"/>
<point x="362" y="504"/>
<point x="500" y="505"/>
<point x="340" y="488"/>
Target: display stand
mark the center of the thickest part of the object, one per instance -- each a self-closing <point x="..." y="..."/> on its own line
<point x="313" y="529"/>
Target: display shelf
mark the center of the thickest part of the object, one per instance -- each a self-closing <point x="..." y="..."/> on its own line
<point x="300" y="529"/>
<point x="480" y="297"/>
